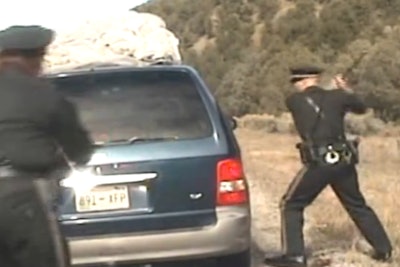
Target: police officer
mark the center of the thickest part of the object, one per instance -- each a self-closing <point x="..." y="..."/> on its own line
<point x="329" y="159"/>
<point x="39" y="131"/>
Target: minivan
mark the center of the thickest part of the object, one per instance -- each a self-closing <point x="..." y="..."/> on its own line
<point x="166" y="181"/>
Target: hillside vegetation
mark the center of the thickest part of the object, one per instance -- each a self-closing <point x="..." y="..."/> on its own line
<point x="244" y="48"/>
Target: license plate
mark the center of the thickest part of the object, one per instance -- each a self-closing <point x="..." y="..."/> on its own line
<point x="103" y="198"/>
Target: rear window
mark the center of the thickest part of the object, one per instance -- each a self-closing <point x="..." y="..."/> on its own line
<point x="138" y="104"/>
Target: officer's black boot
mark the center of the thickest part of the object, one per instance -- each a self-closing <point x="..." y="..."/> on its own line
<point x="286" y="261"/>
<point x="382" y="256"/>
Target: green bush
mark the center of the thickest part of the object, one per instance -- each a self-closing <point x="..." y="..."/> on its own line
<point x="249" y="77"/>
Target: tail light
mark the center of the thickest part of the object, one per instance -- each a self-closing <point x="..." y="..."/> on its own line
<point x="231" y="187"/>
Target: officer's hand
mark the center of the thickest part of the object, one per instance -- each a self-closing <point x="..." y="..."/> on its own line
<point x="340" y="82"/>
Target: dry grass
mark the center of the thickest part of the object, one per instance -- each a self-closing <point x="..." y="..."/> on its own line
<point x="271" y="161"/>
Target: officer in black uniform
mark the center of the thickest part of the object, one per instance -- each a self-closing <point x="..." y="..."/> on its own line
<point x="40" y="132"/>
<point x="329" y="159"/>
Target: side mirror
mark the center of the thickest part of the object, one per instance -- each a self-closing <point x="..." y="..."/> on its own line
<point x="233" y="122"/>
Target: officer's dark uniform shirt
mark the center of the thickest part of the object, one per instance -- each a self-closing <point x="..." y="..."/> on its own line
<point x="35" y="120"/>
<point x="334" y="105"/>
<point x="36" y="123"/>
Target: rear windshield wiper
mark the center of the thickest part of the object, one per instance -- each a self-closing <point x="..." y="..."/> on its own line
<point x="136" y="139"/>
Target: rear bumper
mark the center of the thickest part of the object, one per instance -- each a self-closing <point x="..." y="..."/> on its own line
<point x="230" y="235"/>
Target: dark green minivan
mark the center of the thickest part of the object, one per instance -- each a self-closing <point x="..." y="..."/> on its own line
<point x="166" y="182"/>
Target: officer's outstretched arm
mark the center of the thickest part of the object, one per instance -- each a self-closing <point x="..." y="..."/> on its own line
<point x="68" y="131"/>
<point x="354" y="104"/>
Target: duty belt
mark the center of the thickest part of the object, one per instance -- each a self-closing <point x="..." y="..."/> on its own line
<point x="330" y="154"/>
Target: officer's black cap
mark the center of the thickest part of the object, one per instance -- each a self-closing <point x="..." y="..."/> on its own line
<point x="300" y="73"/>
<point x="25" y="38"/>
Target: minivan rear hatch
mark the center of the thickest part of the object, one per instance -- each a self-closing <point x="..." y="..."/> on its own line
<point x="158" y="150"/>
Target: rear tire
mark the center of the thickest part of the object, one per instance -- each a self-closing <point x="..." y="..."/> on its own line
<point x="242" y="259"/>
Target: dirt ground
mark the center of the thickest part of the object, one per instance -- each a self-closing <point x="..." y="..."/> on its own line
<point x="271" y="161"/>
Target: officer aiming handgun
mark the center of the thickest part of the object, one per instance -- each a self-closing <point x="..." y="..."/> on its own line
<point x="328" y="159"/>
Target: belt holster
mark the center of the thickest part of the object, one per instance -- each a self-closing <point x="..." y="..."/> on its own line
<point x="307" y="154"/>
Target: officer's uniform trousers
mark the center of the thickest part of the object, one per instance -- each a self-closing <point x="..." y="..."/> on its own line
<point x="29" y="231"/>
<point x="307" y="185"/>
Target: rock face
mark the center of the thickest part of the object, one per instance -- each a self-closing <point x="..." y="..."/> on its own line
<point x="131" y="38"/>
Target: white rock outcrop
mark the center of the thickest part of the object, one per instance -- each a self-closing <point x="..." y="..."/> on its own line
<point x="130" y="37"/>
